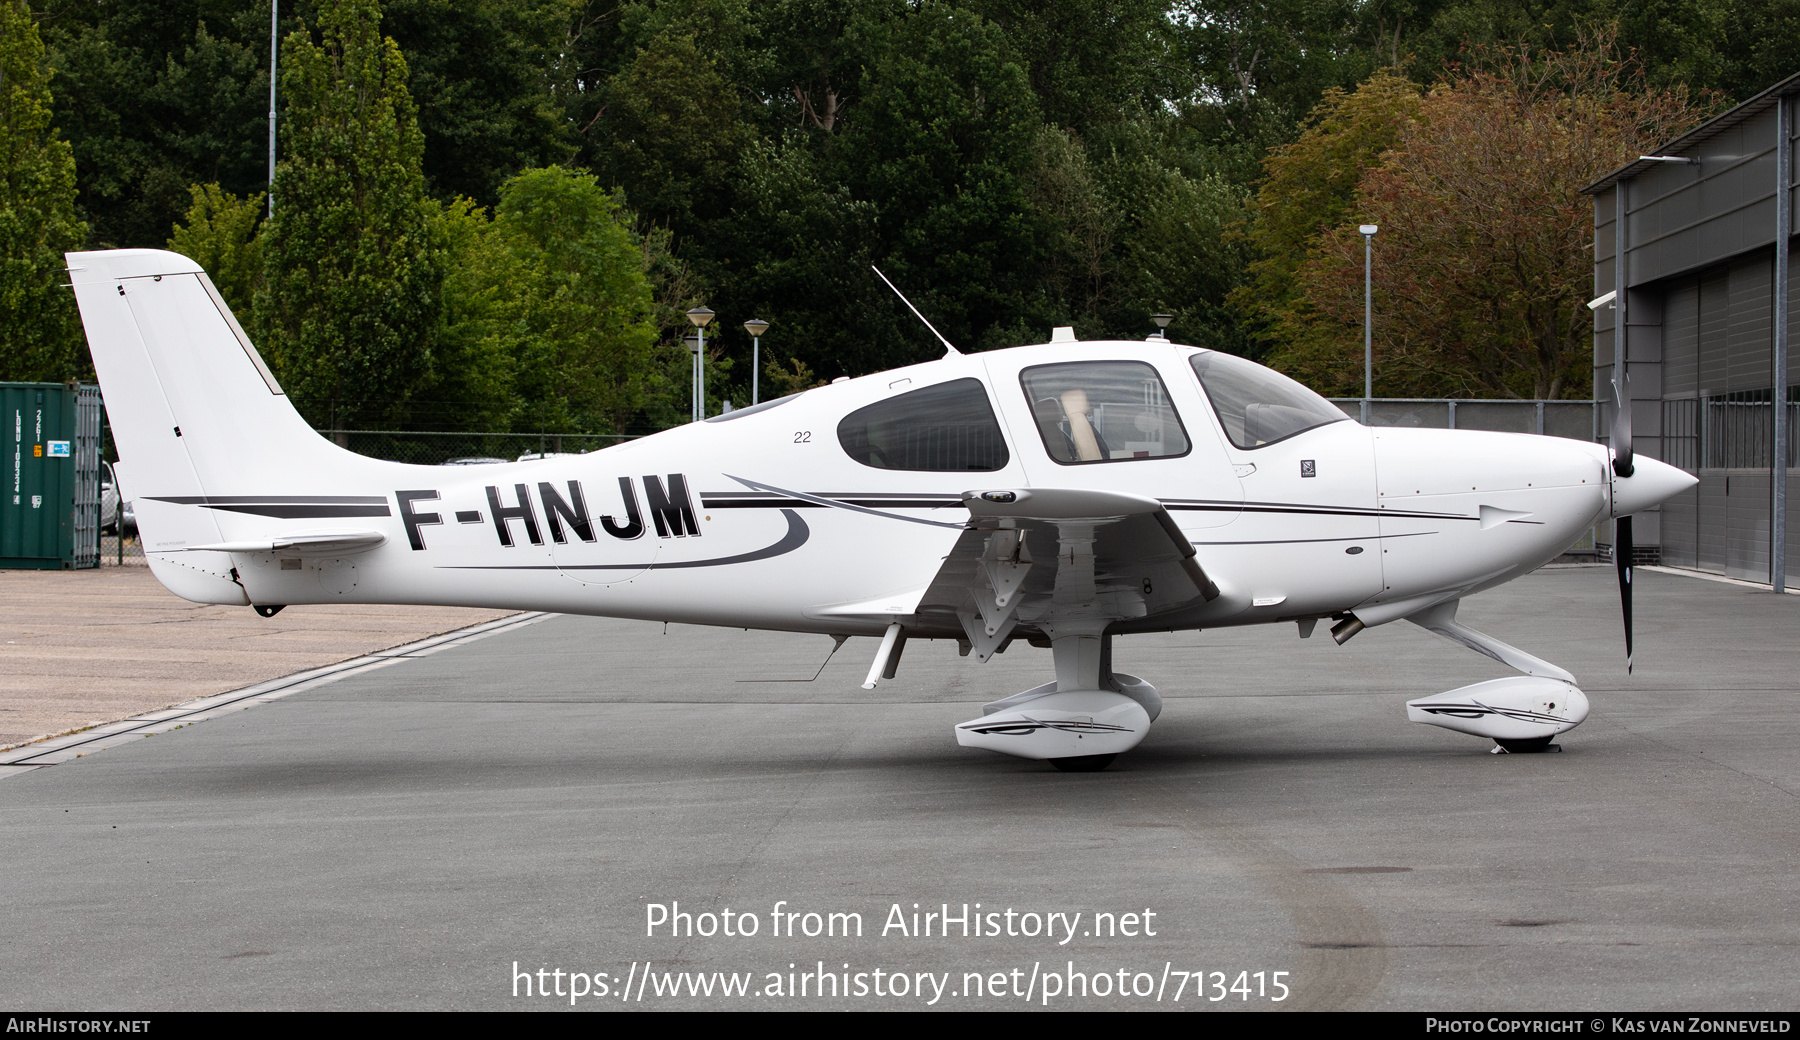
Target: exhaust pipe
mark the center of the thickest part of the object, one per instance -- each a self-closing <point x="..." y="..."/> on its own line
<point x="1343" y="630"/>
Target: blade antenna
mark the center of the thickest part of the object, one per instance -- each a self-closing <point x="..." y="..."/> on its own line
<point x="948" y="348"/>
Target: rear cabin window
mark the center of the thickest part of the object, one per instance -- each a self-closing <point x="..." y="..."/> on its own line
<point x="1103" y="411"/>
<point x="947" y="428"/>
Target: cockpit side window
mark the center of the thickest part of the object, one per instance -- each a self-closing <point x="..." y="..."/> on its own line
<point x="1103" y="411"/>
<point x="947" y="428"/>
<point x="1258" y="405"/>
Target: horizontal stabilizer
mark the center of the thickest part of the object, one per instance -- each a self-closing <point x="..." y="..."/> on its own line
<point x="319" y="543"/>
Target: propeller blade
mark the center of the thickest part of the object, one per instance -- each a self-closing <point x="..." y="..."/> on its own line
<point x="1622" y="467"/>
<point x="1621" y="431"/>
<point x="1622" y="560"/>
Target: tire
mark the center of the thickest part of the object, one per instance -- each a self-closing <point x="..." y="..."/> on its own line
<point x="1526" y="747"/>
<point x="1083" y="763"/>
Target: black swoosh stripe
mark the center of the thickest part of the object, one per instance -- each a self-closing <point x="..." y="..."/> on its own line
<point x="838" y="504"/>
<point x="796" y="536"/>
<point x="1477" y="710"/>
<point x="287" y="507"/>
<point x="1214" y="506"/>
<point x="871" y="502"/>
<point x="795" y="503"/>
<point x="1302" y="541"/>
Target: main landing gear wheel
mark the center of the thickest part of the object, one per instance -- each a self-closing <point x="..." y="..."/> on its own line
<point x="1533" y="746"/>
<point x="1083" y="763"/>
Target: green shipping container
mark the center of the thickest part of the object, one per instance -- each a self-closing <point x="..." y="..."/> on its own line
<point x="50" y="515"/>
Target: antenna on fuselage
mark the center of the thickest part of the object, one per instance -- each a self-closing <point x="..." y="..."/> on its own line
<point x="948" y="348"/>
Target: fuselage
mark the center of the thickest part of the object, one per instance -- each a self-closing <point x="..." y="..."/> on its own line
<point x="780" y="517"/>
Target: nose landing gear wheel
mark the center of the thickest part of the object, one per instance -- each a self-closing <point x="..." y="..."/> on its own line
<point x="1526" y="747"/>
<point x="1083" y="763"/>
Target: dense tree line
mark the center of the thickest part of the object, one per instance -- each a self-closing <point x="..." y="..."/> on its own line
<point x="492" y="213"/>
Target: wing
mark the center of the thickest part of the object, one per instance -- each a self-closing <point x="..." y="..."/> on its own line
<point x="1034" y="559"/>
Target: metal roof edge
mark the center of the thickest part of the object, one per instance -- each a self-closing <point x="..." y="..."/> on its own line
<point x="1722" y="121"/>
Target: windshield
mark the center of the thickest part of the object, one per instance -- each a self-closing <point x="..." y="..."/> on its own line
<point x="1258" y="405"/>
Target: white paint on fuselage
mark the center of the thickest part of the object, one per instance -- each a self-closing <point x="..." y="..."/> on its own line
<point x="1408" y="499"/>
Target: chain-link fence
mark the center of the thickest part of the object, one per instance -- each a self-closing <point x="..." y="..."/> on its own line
<point x="436" y="448"/>
<point x="120" y="552"/>
<point x="1575" y="419"/>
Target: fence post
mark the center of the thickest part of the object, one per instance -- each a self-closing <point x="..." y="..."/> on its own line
<point x="1452" y="405"/>
<point x="1540" y="418"/>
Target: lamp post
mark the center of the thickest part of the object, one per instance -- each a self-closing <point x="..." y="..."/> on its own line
<point x="1162" y="323"/>
<point x="692" y="342"/>
<point x="1368" y="233"/>
<point x="700" y="316"/>
<point x="274" y="71"/>
<point x="755" y="327"/>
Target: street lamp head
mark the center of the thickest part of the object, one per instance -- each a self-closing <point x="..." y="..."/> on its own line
<point x="692" y="340"/>
<point x="756" y="326"/>
<point x="700" y="316"/>
<point x="1367" y="229"/>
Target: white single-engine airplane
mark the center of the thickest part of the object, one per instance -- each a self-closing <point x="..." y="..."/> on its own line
<point x="1061" y="494"/>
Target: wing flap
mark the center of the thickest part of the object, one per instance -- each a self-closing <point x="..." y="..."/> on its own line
<point x="1041" y="556"/>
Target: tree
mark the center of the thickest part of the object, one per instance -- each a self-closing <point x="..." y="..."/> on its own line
<point x="675" y="131"/>
<point x="1089" y="61"/>
<point x="353" y="258"/>
<point x="940" y="146"/>
<point x="220" y="233"/>
<point x="1309" y="187"/>
<point x="1177" y="256"/>
<point x="801" y="246"/>
<point x="484" y="74"/>
<point x="1255" y="65"/>
<point x="585" y="301"/>
<point x="37" y="214"/>
<point x="483" y="332"/>
<point x="158" y="97"/>
<point x="1079" y="223"/>
<point x="1483" y="262"/>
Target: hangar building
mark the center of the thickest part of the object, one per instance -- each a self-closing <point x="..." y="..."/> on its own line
<point x="1704" y="296"/>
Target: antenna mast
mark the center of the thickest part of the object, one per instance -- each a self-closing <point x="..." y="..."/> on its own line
<point x="948" y="348"/>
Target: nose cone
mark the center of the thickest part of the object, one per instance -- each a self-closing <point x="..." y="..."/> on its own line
<point x="1651" y="483"/>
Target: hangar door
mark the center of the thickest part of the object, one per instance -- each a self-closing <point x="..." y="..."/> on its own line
<point x="1718" y="419"/>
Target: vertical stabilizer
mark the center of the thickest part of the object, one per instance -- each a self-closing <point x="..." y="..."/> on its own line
<point x="195" y="413"/>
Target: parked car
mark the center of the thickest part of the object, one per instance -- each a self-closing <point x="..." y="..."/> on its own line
<point x="109" y="508"/>
<point x="472" y="461"/>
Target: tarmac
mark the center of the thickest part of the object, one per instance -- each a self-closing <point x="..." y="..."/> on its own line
<point x="88" y="647"/>
<point x="425" y="831"/>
